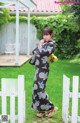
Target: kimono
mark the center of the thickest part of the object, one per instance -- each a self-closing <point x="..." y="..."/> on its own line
<point x="40" y="99"/>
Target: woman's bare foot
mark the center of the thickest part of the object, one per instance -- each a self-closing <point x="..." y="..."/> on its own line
<point x="51" y="112"/>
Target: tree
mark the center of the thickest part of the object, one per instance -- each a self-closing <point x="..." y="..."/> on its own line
<point x="4" y="15"/>
<point x="75" y="9"/>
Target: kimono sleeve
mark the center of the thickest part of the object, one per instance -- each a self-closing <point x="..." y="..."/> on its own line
<point x="44" y="51"/>
<point x="32" y="60"/>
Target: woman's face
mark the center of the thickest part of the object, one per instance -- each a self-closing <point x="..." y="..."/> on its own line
<point x="47" y="37"/>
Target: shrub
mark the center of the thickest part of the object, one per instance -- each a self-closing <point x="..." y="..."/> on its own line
<point x="4" y="15"/>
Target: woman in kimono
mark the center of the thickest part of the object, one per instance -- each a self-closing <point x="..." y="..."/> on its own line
<point x="40" y="99"/>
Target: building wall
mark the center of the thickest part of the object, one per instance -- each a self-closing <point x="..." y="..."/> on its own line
<point x="8" y="36"/>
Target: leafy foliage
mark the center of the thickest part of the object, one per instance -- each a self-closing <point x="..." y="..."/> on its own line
<point x="76" y="12"/>
<point x="21" y="19"/>
<point x="4" y="15"/>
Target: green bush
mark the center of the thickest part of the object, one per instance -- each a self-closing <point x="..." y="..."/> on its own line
<point x="21" y="19"/>
<point x="4" y="15"/>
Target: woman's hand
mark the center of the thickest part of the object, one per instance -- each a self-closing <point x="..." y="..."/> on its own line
<point x="41" y="43"/>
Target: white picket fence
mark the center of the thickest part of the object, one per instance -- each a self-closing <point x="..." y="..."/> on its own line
<point x="75" y="96"/>
<point x="13" y="88"/>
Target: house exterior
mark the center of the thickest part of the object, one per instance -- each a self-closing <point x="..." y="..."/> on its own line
<point x="43" y="8"/>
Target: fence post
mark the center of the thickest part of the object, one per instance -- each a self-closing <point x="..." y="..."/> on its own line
<point x="65" y="105"/>
<point x="20" y="99"/>
<point x="3" y="84"/>
<point x="75" y="99"/>
<point x="13" y="88"/>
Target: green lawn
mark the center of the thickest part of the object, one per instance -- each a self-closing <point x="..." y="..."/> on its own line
<point x="54" y="85"/>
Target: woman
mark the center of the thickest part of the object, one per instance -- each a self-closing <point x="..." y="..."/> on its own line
<point x="40" y="99"/>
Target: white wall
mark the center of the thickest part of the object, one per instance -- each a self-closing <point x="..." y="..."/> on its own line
<point x="8" y="35"/>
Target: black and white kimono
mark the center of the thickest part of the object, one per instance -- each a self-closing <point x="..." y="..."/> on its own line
<point x="40" y="99"/>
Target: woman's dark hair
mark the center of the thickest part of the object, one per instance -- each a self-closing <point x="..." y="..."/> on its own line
<point x="47" y="31"/>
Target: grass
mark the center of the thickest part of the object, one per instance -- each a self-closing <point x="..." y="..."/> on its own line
<point x="76" y="59"/>
<point x="53" y="88"/>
